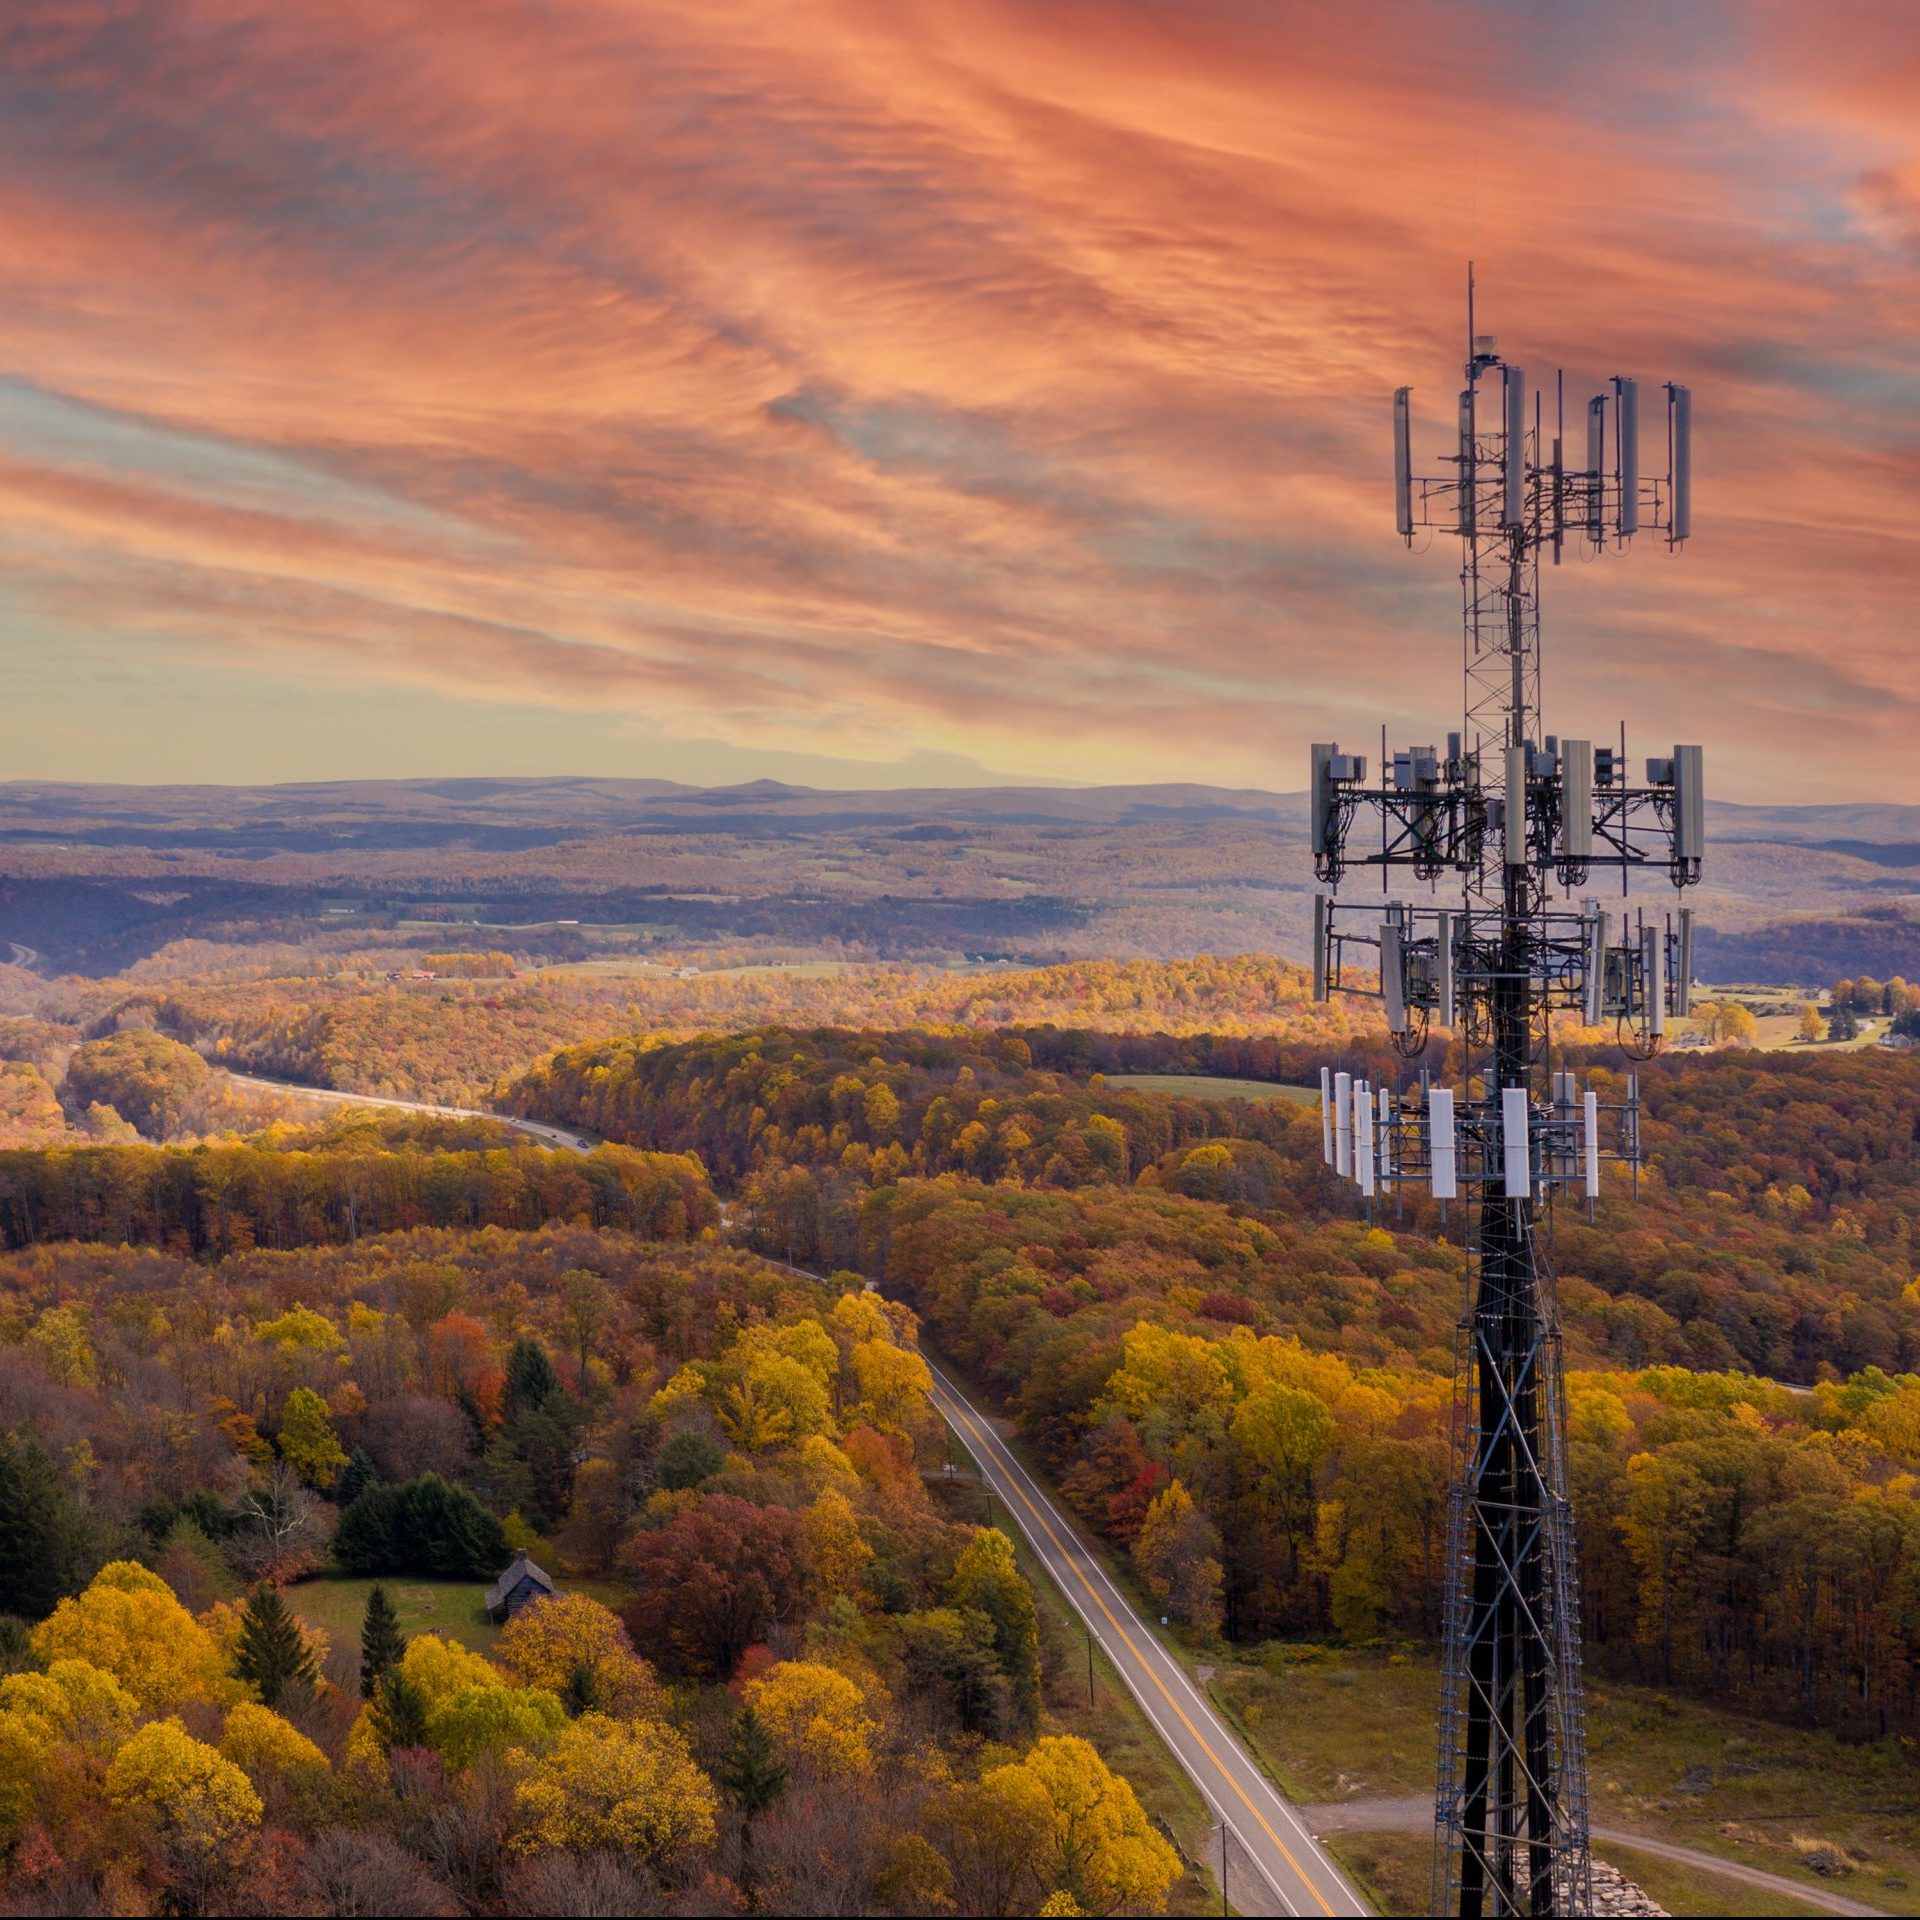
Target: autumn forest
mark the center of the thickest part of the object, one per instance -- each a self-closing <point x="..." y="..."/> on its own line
<point x="645" y="1286"/>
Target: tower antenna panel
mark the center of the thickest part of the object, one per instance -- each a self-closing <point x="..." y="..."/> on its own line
<point x="1628" y="401"/>
<point x="1515" y="505"/>
<point x="1680" y="461"/>
<point x="1403" y="461"/>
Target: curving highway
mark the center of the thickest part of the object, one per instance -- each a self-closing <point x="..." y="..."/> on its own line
<point x="539" y="1129"/>
<point x="1274" y="1865"/>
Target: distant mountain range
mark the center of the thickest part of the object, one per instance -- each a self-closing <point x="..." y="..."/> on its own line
<point x="570" y="807"/>
<point x="93" y="877"/>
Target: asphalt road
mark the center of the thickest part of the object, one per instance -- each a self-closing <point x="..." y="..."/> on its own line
<point x="548" y="1136"/>
<point x="1274" y="1865"/>
<point x="1406" y="1814"/>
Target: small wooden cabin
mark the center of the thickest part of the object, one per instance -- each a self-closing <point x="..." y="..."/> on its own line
<point x="520" y="1586"/>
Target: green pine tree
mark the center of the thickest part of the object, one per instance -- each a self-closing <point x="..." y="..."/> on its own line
<point x="35" y="1530"/>
<point x="399" y="1711"/>
<point x="359" y="1474"/>
<point x="274" y="1654"/>
<point x="752" y="1773"/>
<point x="530" y="1377"/>
<point x="381" y="1641"/>
<point x="749" y="1769"/>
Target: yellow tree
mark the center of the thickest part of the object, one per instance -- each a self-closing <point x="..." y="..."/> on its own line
<point x="264" y="1746"/>
<point x="61" y="1338"/>
<point x="433" y="1671"/>
<point x="129" y="1625"/>
<point x="1811" y="1025"/>
<point x="76" y="1699"/>
<point x="776" y="1400"/>
<point x="841" y="1555"/>
<point x="577" y="1649"/>
<point x="493" y="1719"/>
<point x="1175" y="1382"/>
<point x="998" y="1835"/>
<point x="1177" y="1554"/>
<point x="1668" y="1508"/>
<point x="202" y="1803"/>
<point x="629" y="1786"/>
<point x="27" y="1742"/>
<point x="882" y="1111"/>
<point x="308" y="1442"/>
<point x="817" y="1716"/>
<point x="1104" y="1851"/>
<point x="894" y="1385"/>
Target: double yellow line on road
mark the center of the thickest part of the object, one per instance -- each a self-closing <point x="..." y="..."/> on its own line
<point x="957" y="1413"/>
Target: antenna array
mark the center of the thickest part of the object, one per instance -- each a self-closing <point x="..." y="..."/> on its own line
<point x="1512" y="815"/>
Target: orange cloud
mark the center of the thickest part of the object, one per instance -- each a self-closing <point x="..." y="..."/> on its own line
<point x="1006" y="377"/>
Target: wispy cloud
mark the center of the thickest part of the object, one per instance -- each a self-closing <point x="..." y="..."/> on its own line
<point x="1003" y="378"/>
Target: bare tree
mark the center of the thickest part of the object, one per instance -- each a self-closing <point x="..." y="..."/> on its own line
<point x="591" y="1885"/>
<point x="362" y="1871"/>
<point x="281" y="1530"/>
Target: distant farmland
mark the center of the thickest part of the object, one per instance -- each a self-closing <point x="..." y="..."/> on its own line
<point x="1211" y="1086"/>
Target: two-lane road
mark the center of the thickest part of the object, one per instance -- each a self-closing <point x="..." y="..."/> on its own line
<point x="1274" y="1865"/>
<point x="539" y="1129"/>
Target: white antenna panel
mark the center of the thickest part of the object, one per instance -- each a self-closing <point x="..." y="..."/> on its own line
<point x="1343" y="1125"/>
<point x="1516" y="821"/>
<point x="1597" y="466"/>
<point x="1393" y="976"/>
<point x="1403" y="459"/>
<point x="1594" y="1009"/>
<point x="1515" y="509"/>
<point x="1680" y="414"/>
<point x="1629" y="441"/>
<point x="1689" y="804"/>
<point x="1576" y="800"/>
<point x="1326" y="1115"/>
<point x="1590" y="1143"/>
<point x="1514" y="1143"/>
<point x="1446" y="1182"/>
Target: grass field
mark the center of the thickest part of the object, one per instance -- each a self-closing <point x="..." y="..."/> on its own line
<point x="1209" y="1086"/>
<point x="1396" y="1870"/>
<point x="450" y="1608"/>
<point x="1340" y="1727"/>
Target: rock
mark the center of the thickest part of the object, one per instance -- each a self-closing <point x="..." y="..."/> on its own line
<point x="1614" y="1893"/>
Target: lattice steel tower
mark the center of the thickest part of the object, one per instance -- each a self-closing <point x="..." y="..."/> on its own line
<point x="1521" y="821"/>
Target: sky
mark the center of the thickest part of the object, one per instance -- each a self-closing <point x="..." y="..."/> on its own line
<point x="883" y="392"/>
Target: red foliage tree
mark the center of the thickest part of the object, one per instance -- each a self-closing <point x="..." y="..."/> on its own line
<point x="715" y="1578"/>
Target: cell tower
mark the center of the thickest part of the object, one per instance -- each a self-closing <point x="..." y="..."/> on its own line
<point x="1522" y="820"/>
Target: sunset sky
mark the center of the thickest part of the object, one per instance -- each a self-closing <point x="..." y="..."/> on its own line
<point x="927" y="391"/>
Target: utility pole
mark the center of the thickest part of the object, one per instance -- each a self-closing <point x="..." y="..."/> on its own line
<point x="1511" y="816"/>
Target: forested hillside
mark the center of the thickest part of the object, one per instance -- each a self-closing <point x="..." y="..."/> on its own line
<point x="788" y="1677"/>
<point x="1247" y="1387"/>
